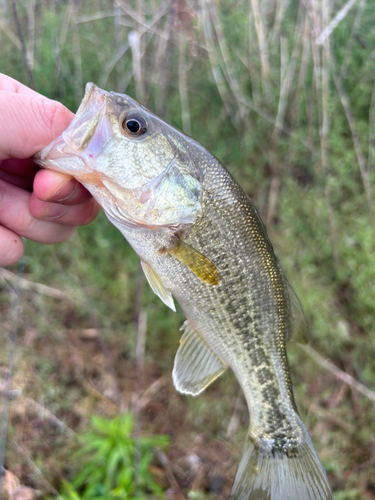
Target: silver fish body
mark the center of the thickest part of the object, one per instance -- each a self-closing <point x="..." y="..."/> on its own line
<point x="201" y="241"/>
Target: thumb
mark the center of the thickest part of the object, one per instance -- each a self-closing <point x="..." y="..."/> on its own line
<point x="29" y="122"/>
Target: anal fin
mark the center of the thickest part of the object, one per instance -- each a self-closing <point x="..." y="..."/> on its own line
<point x="195" y="365"/>
<point x="157" y="285"/>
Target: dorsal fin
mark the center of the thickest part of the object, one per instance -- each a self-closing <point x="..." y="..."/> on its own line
<point x="200" y="265"/>
<point x="195" y="364"/>
<point x="157" y="285"/>
<point x="297" y="320"/>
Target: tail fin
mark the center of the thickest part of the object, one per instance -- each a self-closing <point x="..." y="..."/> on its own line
<point x="267" y="475"/>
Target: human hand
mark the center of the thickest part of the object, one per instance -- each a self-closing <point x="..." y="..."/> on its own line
<point x="49" y="214"/>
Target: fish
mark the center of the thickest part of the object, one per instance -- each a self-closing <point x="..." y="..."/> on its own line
<point x="202" y="243"/>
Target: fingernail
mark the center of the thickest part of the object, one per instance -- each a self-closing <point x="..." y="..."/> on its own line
<point x="54" y="211"/>
<point x="66" y="191"/>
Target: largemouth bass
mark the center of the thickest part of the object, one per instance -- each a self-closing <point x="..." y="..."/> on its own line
<point x="201" y="241"/>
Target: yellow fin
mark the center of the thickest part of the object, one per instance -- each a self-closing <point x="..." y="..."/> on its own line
<point x="297" y="320"/>
<point x="200" y="265"/>
<point x="157" y="285"/>
<point x="195" y="364"/>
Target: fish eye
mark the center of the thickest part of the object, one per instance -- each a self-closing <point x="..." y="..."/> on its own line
<point x="134" y="125"/>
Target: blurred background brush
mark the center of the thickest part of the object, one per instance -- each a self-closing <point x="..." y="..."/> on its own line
<point x="282" y="92"/>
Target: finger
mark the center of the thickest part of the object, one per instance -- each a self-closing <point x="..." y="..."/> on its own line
<point x="16" y="216"/>
<point x="25" y="167"/>
<point x="53" y="186"/>
<point x="11" y="247"/>
<point x="29" y="123"/>
<point x="78" y="215"/>
<point x="17" y="180"/>
<point x="11" y="85"/>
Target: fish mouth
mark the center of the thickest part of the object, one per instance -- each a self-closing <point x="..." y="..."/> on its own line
<point x="81" y="138"/>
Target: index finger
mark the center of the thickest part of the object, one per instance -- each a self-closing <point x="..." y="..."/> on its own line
<point x="11" y="85"/>
<point x="29" y="122"/>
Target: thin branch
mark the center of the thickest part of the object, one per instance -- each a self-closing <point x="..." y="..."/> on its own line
<point x="371" y="133"/>
<point x="182" y="84"/>
<point x="215" y="66"/>
<point x="25" y="284"/>
<point x="25" y="454"/>
<point x="135" y="42"/>
<point x="227" y="66"/>
<point x="31" y="33"/>
<point x="287" y="72"/>
<point x="167" y="60"/>
<point x="122" y="50"/>
<point x="12" y="37"/>
<point x="321" y="79"/>
<point x="349" y="45"/>
<point x="341" y="375"/>
<point x="263" y="49"/>
<point x="355" y="136"/>
<point x="139" y="360"/>
<point x="9" y="380"/>
<point x="335" y="22"/>
<point x="48" y="415"/>
<point x="94" y="17"/>
<point x="22" y="40"/>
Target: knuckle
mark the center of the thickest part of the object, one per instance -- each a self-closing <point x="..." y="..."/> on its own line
<point x="54" y="115"/>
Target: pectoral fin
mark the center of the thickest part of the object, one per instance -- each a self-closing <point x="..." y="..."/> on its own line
<point x="200" y="265"/>
<point x="195" y="364"/>
<point x="297" y="327"/>
<point x="157" y="285"/>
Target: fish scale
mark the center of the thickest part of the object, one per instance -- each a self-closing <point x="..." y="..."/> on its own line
<point x="201" y="241"/>
<point x="240" y="318"/>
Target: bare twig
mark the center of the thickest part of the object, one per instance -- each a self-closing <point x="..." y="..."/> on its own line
<point x="341" y="375"/>
<point x="78" y="80"/>
<point x="335" y="21"/>
<point x="20" y="451"/>
<point x="215" y="66"/>
<point x="9" y="379"/>
<point x="334" y="419"/>
<point x="263" y="49"/>
<point x="167" y="61"/>
<point x="61" y="40"/>
<point x="31" y="32"/>
<point x="122" y="50"/>
<point x="48" y="415"/>
<point x="12" y="37"/>
<point x="139" y="362"/>
<point x="349" y="45"/>
<point x="135" y="41"/>
<point x="164" y="460"/>
<point x="321" y="79"/>
<point x="355" y="136"/>
<point x="287" y="72"/>
<point x="234" y="421"/>
<point x="150" y="392"/>
<point x="182" y="84"/>
<point x="139" y="359"/>
<point x="36" y="287"/>
<point x="227" y="66"/>
<point x="371" y="128"/>
<point x="22" y="40"/>
<point x="118" y="41"/>
<point x="95" y="16"/>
